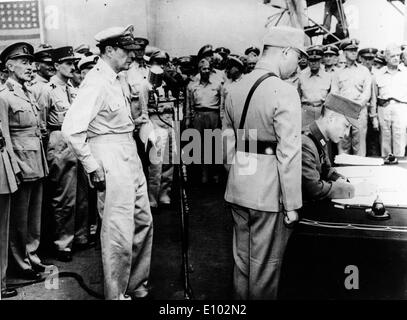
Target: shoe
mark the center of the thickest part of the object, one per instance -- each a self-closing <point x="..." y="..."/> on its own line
<point x="30" y="274"/>
<point x="64" y="256"/>
<point x="147" y="297"/>
<point x="8" y="293"/>
<point x="42" y="267"/>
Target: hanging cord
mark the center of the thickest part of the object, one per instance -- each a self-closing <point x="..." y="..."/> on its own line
<point x="63" y="274"/>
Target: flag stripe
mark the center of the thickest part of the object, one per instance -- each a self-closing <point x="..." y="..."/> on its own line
<point x="19" y="37"/>
<point x="19" y="31"/>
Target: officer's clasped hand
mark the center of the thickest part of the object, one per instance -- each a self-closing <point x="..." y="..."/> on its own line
<point x="97" y="178"/>
<point x="290" y="218"/>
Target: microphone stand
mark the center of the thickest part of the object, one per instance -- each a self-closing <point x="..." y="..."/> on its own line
<point x="181" y="172"/>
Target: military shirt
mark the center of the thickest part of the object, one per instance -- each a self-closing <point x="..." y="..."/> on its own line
<point x="353" y="82"/>
<point x="203" y="95"/>
<point x="392" y="84"/>
<point x="21" y="122"/>
<point x="319" y="179"/>
<point x="313" y="88"/>
<point x="135" y="76"/>
<point x="331" y="69"/>
<point x="61" y="96"/>
<point x="39" y="87"/>
<point x="264" y="182"/>
<point x="102" y="106"/>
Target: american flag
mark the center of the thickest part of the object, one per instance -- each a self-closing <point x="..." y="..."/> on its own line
<point x="19" y="21"/>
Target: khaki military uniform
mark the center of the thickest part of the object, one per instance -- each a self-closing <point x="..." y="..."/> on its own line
<point x="23" y="127"/>
<point x="354" y="82"/>
<point x="261" y="186"/>
<point x="8" y="185"/>
<point x="313" y="89"/>
<point x="160" y="169"/>
<point x="99" y="128"/>
<point x="69" y="195"/>
<point x="392" y="113"/>
<point x="319" y="179"/>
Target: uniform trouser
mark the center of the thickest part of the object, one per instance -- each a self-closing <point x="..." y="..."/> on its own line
<point x="206" y="120"/>
<point x="4" y="235"/>
<point x="259" y="242"/>
<point x="25" y="224"/>
<point x="309" y="114"/>
<point x="392" y="121"/>
<point x="160" y="170"/>
<point x="127" y="229"/>
<point x="69" y="196"/>
<point x="355" y="142"/>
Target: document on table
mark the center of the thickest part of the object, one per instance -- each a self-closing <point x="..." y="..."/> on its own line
<point x="352" y="160"/>
<point x="387" y="182"/>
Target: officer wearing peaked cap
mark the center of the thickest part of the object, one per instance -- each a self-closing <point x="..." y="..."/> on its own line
<point x="354" y="82"/>
<point x="264" y="183"/>
<point x="314" y="85"/>
<point x="45" y="70"/>
<point x="99" y="128"/>
<point x="67" y="177"/>
<point x="252" y="51"/>
<point x="138" y="71"/>
<point x="367" y="56"/>
<point x="206" y="52"/>
<point x="319" y="180"/>
<point x="19" y="114"/>
<point x="331" y="53"/>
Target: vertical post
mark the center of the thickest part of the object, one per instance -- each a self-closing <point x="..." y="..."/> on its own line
<point x="41" y="20"/>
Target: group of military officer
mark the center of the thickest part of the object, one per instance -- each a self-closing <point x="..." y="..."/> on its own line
<point x="105" y="123"/>
<point x="374" y="79"/>
<point x="36" y="155"/>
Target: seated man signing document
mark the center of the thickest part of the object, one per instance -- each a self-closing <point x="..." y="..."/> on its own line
<point x="319" y="180"/>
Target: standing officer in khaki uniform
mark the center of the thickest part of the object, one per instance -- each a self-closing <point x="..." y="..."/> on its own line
<point x="391" y="86"/>
<point x="23" y="127"/>
<point x="313" y="86"/>
<point x="8" y="184"/>
<point x="367" y="56"/>
<point x="99" y="127"/>
<point x="354" y="82"/>
<point x="69" y="194"/>
<point x="264" y="184"/>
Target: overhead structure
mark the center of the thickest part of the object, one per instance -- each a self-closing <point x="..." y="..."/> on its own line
<point x="294" y="13"/>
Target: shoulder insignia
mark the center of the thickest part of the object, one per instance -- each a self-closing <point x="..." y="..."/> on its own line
<point x="52" y="85"/>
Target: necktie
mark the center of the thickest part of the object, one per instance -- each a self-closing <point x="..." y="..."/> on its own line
<point x="68" y="93"/>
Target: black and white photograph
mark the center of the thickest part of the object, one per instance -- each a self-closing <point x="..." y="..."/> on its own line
<point x="197" y="155"/>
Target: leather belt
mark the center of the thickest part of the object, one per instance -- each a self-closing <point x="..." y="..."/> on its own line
<point x="258" y="147"/>
<point x="54" y="128"/>
<point x="205" y="109"/>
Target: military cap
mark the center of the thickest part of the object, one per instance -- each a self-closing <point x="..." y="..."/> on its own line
<point x="64" y="54"/>
<point x="206" y="50"/>
<point x="285" y="37"/>
<point x="222" y="51"/>
<point x="234" y="61"/>
<point x="368" y="52"/>
<point x="118" y="37"/>
<point x="315" y="52"/>
<point x="185" y="61"/>
<point x="141" y="43"/>
<point x="86" y="61"/>
<point x="43" y="55"/>
<point x="17" y="50"/>
<point x="348" y="44"/>
<point x="380" y="58"/>
<point x="331" y="49"/>
<point x="252" y="49"/>
<point x="160" y="57"/>
<point x="83" y="49"/>
<point x="345" y="106"/>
